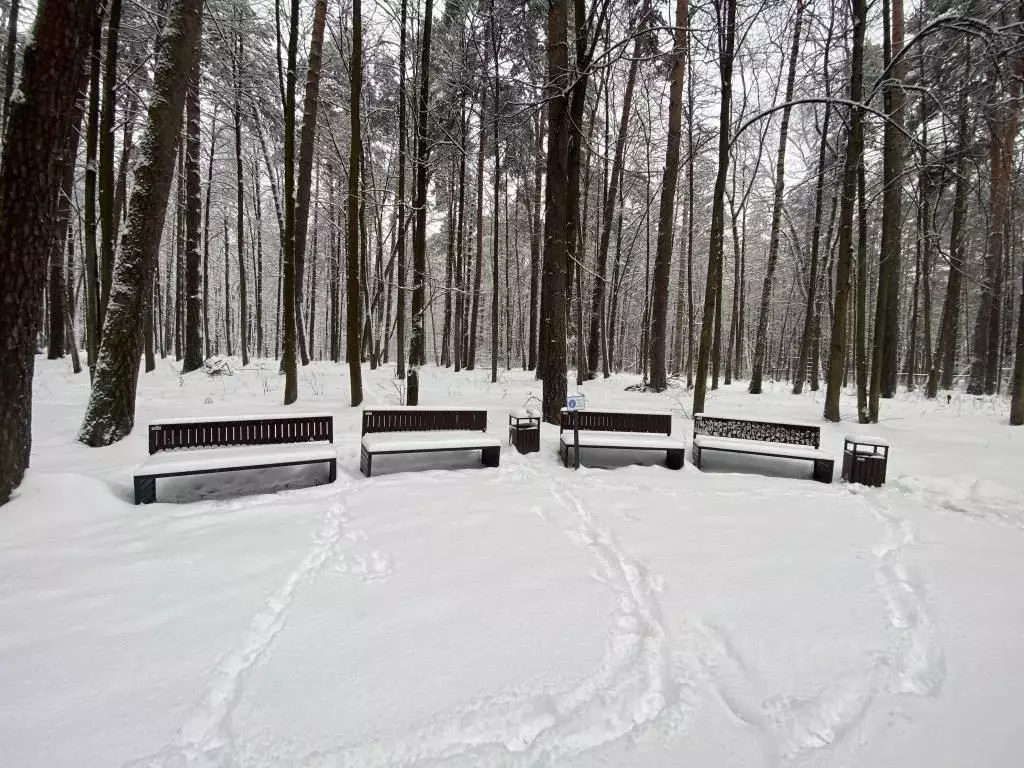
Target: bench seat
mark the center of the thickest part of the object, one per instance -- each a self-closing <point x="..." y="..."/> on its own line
<point x="781" y="450"/>
<point x="625" y="440"/>
<point x="203" y="460"/>
<point x="416" y="442"/>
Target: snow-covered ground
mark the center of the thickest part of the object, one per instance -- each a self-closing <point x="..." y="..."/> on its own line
<point x="442" y="613"/>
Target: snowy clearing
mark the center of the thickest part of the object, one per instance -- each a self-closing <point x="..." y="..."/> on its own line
<point x="443" y="613"/>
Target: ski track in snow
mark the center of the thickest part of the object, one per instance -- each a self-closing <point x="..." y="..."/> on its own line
<point x="206" y="739"/>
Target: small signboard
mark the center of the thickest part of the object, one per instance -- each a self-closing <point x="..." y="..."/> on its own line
<point x="575" y="403"/>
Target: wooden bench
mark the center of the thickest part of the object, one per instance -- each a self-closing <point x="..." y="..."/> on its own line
<point x="761" y="438"/>
<point x="621" y="430"/>
<point x="179" y="447"/>
<point x="421" y="430"/>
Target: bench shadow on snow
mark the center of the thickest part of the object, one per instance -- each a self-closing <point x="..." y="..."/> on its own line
<point x="614" y="458"/>
<point x="718" y="462"/>
<point x="241" y="483"/>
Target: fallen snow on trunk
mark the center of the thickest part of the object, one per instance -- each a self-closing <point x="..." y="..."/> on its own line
<point x="447" y="614"/>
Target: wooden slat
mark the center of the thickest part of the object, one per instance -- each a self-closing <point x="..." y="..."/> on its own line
<point x="271" y="431"/>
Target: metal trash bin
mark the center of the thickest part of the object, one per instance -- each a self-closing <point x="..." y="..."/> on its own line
<point x="524" y="430"/>
<point x="865" y="459"/>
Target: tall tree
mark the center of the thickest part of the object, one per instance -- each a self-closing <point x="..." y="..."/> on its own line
<point x="761" y="343"/>
<point x="667" y="206"/>
<point x="353" y="346"/>
<point x="288" y="268"/>
<point x="194" y="297"/>
<point x="106" y="180"/>
<point x="400" y="318"/>
<point x="854" y="156"/>
<point x="552" y="312"/>
<point x="310" y="104"/>
<point x="417" y="341"/>
<point x="10" y="61"/>
<point x="726" y="32"/>
<point x="238" y="51"/>
<point x="38" y="132"/>
<point x="110" y="414"/>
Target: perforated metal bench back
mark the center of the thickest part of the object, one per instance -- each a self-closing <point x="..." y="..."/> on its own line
<point x="263" y="431"/>
<point x="610" y="421"/>
<point x="415" y="420"/>
<point x="764" y="431"/>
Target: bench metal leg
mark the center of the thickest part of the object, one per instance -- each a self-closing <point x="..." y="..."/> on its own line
<point x="823" y="469"/>
<point x="674" y="459"/>
<point x="563" y="454"/>
<point x="491" y="456"/>
<point x="365" y="462"/>
<point x="697" y="458"/>
<point x="332" y="470"/>
<point x="145" y="490"/>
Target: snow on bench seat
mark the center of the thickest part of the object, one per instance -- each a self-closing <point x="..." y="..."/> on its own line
<point x="200" y="460"/>
<point x="737" y="445"/>
<point x="625" y="440"/>
<point x="439" y="440"/>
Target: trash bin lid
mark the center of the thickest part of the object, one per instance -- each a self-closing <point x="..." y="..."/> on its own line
<point x="524" y="413"/>
<point x="868" y="440"/>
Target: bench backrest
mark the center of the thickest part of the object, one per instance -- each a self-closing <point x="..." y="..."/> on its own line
<point x="422" y="420"/>
<point x="763" y="431"/>
<point x="618" y="421"/>
<point x="268" y="430"/>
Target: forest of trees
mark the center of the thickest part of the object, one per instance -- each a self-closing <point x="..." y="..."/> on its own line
<point x="824" y="193"/>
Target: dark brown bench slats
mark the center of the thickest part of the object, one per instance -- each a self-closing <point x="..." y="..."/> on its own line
<point x="424" y="420"/>
<point x="271" y="430"/>
<point x="621" y="421"/>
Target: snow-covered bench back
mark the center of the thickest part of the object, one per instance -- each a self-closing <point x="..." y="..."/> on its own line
<point x="223" y="431"/>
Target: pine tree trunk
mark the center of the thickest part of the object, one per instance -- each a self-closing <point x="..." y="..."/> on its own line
<point x="209" y="351"/>
<point x="10" y="64"/>
<point x="110" y="414"/>
<point x="712" y="290"/>
<point x="761" y="342"/>
<point x="860" y="317"/>
<point x="458" y="348"/>
<point x="417" y="341"/>
<point x="552" y="318"/>
<point x="667" y="206"/>
<point x="536" y="232"/>
<point x="854" y="154"/>
<point x="105" y="180"/>
<point x="193" y="346"/>
<point x="243" y="298"/>
<point x="478" y="271"/>
<point x="93" y="295"/>
<point x="400" y="311"/>
<point x="353" y="341"/>
<point x="39" y="128"/>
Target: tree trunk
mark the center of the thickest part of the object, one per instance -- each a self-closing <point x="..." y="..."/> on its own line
<point x="194" y="298"/>
<point x="93" y="312"/>
<point x="886" y="339"/>
<point x="39" y="128"/>
<point x="854" y="157"/>
<point x="106" y="153"/>
<point x="110" y="414"/>
<point x="417" y="341"/>
<point x="307" y="137"/>
<point x="206" y="236"/>
<point x="712" y="289"/>
<point x="353" y="341"/>
<point x="243" y="298"/>
<point x="667" y="206"/>
<point x="400" y="314"/>
<point x="478" y="271"/>
<point x="860" y="317"/>
<point x="10" y="63"/>
<point x="552" y="319"/>
<point x="535" y="243"/>
<point x="495" y="53"/>
<point x="761" y="342"/>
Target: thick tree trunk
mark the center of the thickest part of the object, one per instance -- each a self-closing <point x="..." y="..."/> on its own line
<point x="194" y="298"/>
<point x="10" y="64"/>
<point x="478" y="271"/>
<point x="552" y="320"/>
<point x="111" y="411"/>
<point x="860" y="316"/>
<point x="289" y="313"/>
<point x="712" y="289"/>
<point x="667" y="206"/>
<point x="93" y="313"/>
<point x="536" y="233"/>
<point x="761" y="342"/>
<point x="39" y="128"/>
<point x="854" y="157"/>
<point x="886" y="338"/>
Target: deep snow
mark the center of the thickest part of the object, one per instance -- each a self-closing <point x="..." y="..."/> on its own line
<point x="442" y="613"/>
